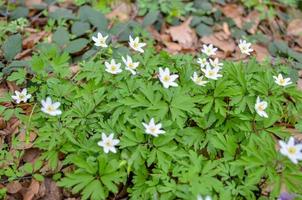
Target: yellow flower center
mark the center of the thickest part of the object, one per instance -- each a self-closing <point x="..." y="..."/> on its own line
<point x="166" y="78"/>
<point x="101" y="40"/>
<point x="50" y="108"/>
<point x="130" y="65"/>
<point x="211" y="73"/>
<point x="292" y="150"/>
<point x="282" y="81"/>
<point x="21" y="96"/>
<point x="260" y="107"/>
<point x="135" y="44"/>
<point x="108" y="143"/>
<point x="152" y="129"/>
<point x="113" y="68"/>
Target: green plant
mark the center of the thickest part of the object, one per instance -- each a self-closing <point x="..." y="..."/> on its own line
<point x="214" y="139"/>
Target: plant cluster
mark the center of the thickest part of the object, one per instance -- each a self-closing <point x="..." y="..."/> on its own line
<point x="160" y="126"/>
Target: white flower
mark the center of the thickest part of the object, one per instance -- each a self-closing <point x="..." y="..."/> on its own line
<point x="245" y="47"/>
<point x="209" y="50"/>
<point x="152" y="128"/>
<point x="113" y="68"/>
<point x="198" y="79"/>
<point x="108" y="143"/>
<point x="211" y="73"/>
<point x="21" y="96"/>
<point x="216" y="63"/>
<point x="292" y="151"/>
<point x="100" y="41"/>
<point x="130" y="65"/>
<point x="136" y="45"/>
<point x="50" y="107"/>
<point x="260" y="106"/>
<point x="199" y="197"/>
<point x="167" y="79"/>
<point x="282" y="81"/>
<point x="202" y="62"/>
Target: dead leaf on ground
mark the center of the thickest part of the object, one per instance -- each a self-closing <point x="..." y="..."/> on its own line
<point x="13" y="187"/>
<point x="220" y="40"/>
<point x="32" y="190"/>
<point x="261" y="52"/>
<point x="295" y="27"/>
<point x="33" y="39"/>
<point x="26" y="141"/>
<point x="30" y="155"/>
<point x="254" y="18"/>
<point x="49" y="190"/>
<point x="234" y="12"/>
<point x="297" y="134"/>
<point x="226" y="29"/>
<point x="183" y="34"/>
<point x="173" y="47"/>
<point x="122" y="12"/>
<point x="33" y="3"/>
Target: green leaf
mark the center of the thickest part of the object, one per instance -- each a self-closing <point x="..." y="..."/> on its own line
<point x="203" y="30"/>
<point x="12" y="46"/>
<point x="62" y="13"/>
<point x="96" y="18"/>
<point x="61" y="36"/>
<point x="18" y="76"/>
<point x="150" y="18"/>
<point x="80" y="28"/>
<point x="76" y="45"/>
<point x="19" y="12"/>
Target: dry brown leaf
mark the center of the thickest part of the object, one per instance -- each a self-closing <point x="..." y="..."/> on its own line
<point x="32" y="190"/>
<point x="30" y="155"/>
<point x="253" y="17"/>
<point x="226" y="29"/>
<point x="295" y="27"/>
<point x="49" y="190"/>
<point x="183" y="34"/>
<point x="220" y="41"/>
<point x="234" y="12"/>
<point x="173" y="47"/>
<point x="261" y="52"/>
<point x="13" y="187"/>
<point x="32" y="3"/>
<point x="30" y="41"/>
<point x="122" y="12"/>
<point x="25" y="142"/>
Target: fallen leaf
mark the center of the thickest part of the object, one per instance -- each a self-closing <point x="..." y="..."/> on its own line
<point x="173" y="47"/>
<point x="295" y="27"/>
<point x="220" y="40"/>
<point x="32" y="190"/>
<point x="234" y="12"/>
<point x="49" y="190"/>
<point x="226" y="29"/>
<point x="30" y="155"/>
<point x="33" y="39"/>
<point x="254" y="18"/>
<point x="33" y="3"/>
<point x="122" y="12"/>
<point x="25" y="141"/>
<point x="261" y="52"/>
<point x="183" y="34"/>
<point x="13" y="187"/>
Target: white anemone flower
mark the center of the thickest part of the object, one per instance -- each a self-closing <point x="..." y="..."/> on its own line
<point x="112" y="67"/>
<point x="130" y="65"/>
<point x="245" y="47"/>
<point x="282" y="81"/>
<point x="153" y="129"/>
<point x="291" y="150"/>
<point x="202" y="62"/>
<point x="198" y="79"/>
<point x="212" y="73"/>
<point x="108" y="143"/>
<point x="166" y="78"/>
<point x="209" y="50"/>
<point x="215" y="63"/>
<point x="260" y="107"/>
<point x="136" y="45"/>
<point x="50" y="107"/>
<point x="100" y="40"/>
<point x="21" y="96"/>
<point x="199" y="197"/>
